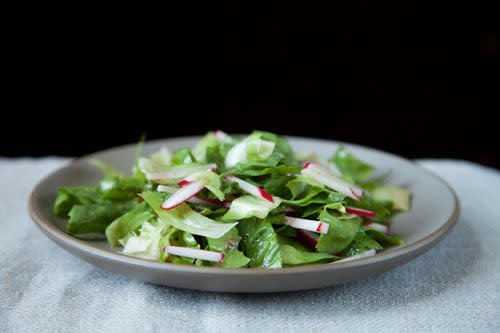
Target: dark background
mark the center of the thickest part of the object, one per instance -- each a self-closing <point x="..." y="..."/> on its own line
<point x="413" y="79"/>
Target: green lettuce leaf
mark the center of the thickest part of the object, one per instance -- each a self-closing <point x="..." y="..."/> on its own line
<point x="399" y="197"/>
<point x="228" y="244"/>
<point x="351" y="166"/>
<point x="247" y="206"/>
<point x="70" y="196"/>
<point x="145" y="243"/>
<point x="293" y="253"/>
<point x="128" y="222"/>
<point x="184" y="218"/>
<point x="183" y="156"/>
<point x="94" y="218"/>
<point x="260" y="243"/>
<point x="340" y="233"/>
<point x="361" y="243"/>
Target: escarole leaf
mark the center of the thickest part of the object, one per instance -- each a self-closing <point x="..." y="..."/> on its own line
<point x="128" y="222"/>
<point x="144" y="243"/>
<point x="247" y="206"/>
<point x="340" y="233"/>
<point x="228" y="244"/>
<point x="351" y="166"/>
<point x="211" y="181"/>
<point x="94" y="218"/>
<point x="260" y="243"/>
<point x="184" y="218"/>
<point x="293" y="253"/>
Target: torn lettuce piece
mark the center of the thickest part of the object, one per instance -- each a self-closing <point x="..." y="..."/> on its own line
<point x="185" y="218"/>
<point x="70" y="196"/>
<point x="351" y="166"/>
<point x="260" y="243"/>
<point x="293" y="253"/>
<point x="144" y="243"/>
<point x="94" y="218"/>
<point x="108" y="170"/>
<point x="361" y="243"/>
<point x="176" y="237"/>
<point x="128" y="222"/>
<point x="228" y="244"/>
<point x="209" y="141"/>
<point x="212" y="181"/>
<point x="399" y="197"/>
<point x="183" y="156"/>
<point x="248" y="205"/>
<point x="340" y="233"/>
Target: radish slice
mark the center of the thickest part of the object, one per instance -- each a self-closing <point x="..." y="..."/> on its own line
<point x="377" y="226"/>
<point x="222" y="136"/>
<point x="310" y="225"/>
<point x="307" y="238"/>
<point x="323" y="176"/>
<point x="236" y="154"/>
<point x="161" y="177"/>
<point x="249" y="188"/>
<point x="359" y="211"/>
<point x="183" y="194"/>
<point x="365" y="254"/>
<point x="194" y="253"/>
<point x="195" y="199"/>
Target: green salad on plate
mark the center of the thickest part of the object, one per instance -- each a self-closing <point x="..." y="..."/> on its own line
<point x="238" y="202"/>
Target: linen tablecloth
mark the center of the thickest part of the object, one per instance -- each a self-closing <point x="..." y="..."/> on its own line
<point x="453" y="287"/>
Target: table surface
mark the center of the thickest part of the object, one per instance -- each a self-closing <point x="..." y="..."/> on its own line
<point x="453" y="287"/>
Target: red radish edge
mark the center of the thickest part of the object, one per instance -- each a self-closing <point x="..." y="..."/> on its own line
<point x="359" y="211"/>
<point x="181" y="202"/>
<point x="183" y="182"/>
<point x="263" y="194"/>
<point x="307" y="239"/>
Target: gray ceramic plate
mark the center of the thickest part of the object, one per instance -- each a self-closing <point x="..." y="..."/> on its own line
<point x="435" y="208"/>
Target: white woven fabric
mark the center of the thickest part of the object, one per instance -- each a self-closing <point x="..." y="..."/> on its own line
<point x="453" y="287"/>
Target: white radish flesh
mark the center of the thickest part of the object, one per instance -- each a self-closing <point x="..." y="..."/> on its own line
<point x="359" y="211"/>
<point x="236" y="154"/>
<point x="378" y="227"/>
<point x="323" y="176"/>
<point x="183" y="194"/>
<point x="194" y="253"/>
<point x="249" y="188"/>
<point x="311" y="225"/>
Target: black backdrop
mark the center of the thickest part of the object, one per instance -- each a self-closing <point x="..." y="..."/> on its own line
<point x="412" y="79"/>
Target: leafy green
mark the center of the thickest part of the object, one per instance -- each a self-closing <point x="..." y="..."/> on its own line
<point x="228" y="244"/>
<point x="260" y="243"/>
<point x="185" y="218"/>
<point x="350" y="165"/>
<point x="183" y="156"/>
<point x="75" y="195"/>
<point x="383" y="239"/>
<point x="361" y="243"/>
<point x="94" y="218"/>
<point x="341" y="233"/>
<point x="128" y="222"/>
<point x="293" y="253"/>
<point x="247" y="206"/>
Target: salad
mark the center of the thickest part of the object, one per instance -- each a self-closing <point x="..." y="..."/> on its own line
<point x="238" y="202"/>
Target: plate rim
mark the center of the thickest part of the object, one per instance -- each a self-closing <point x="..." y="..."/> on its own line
<point x="391" y="254"/>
